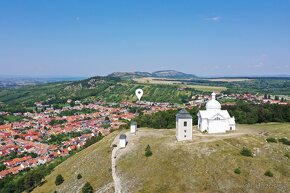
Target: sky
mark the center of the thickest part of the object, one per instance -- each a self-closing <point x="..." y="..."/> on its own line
<point x="88" y="37"/>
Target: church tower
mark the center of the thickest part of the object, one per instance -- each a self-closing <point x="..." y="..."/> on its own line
<point x="183" y="126"/>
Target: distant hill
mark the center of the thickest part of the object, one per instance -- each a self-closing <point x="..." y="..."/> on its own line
<point x="161" y="74"/>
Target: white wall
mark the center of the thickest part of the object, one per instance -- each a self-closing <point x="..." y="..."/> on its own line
<point x="218" y="126"/>
<point x="122" y="143"/>
<point x="183" y="132"/>
<point x="133" y="128"/>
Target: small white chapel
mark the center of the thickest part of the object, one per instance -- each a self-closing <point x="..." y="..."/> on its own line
<point x="213" y="119"/>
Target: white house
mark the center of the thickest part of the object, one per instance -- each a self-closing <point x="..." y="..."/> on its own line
<point x="133" y="127"/>
<point x="122" y="141"/>
<point x="183" y="126"/>
<point x="215" y="120"/>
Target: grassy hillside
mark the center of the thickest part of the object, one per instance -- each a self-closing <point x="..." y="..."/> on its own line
<point x="93" y="163"/>
<point x="207" y="163"/>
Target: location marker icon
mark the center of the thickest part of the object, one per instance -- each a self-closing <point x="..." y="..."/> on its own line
<point x="139" y="93"/>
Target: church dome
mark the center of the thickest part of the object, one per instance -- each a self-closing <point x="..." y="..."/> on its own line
<point x="213" y="104"/>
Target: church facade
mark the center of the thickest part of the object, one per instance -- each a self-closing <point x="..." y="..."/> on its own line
<point x="213" y="119"/>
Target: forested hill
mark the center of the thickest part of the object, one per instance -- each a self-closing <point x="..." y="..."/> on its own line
<point x="116" y="89"/>
<point x="110" y="89"/>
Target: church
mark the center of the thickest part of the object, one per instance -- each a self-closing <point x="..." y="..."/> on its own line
<point x="213" y="119"/>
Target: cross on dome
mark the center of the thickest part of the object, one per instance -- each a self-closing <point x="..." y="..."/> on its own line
<point x="213" y="104"/>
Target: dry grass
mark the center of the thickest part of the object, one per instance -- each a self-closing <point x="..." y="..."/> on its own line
<point x="228" y="79"/>
<point x="93" y="163"/>
<point x="148" y="80"/>
<point x="206" y="166"/>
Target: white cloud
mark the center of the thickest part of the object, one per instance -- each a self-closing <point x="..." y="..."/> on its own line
<point x="215" y="18"/>
<point x="258" y="65"/>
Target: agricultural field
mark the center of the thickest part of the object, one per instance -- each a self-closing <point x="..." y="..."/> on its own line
<point x="168" y="81"/>
<point x="227" y="79"/>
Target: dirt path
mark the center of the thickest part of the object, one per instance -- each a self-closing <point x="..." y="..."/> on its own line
<point x="116" y="179"/>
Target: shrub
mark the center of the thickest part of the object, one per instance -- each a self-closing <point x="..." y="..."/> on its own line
<point x="237" y="170"/>
<point x="284" y="140"/>
<point x="87" y="188"/>
<point x="287" y="155"/>
<point x="246" y="152"/>
<point x="79" y="176"/>
<point x="148" y="151"/>
<point x="268" y="173"/>
<point x="59" y="180"/>
<point x="114" y="145"/>
<point x="271" y="140"/>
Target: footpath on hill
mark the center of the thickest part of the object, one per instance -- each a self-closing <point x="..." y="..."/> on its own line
<point x="116" y="179"/>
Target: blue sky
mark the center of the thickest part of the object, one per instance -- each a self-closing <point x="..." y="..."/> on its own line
<point x="86" y="38"/>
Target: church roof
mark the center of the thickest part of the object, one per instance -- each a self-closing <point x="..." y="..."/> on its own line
<point x="133" y="123"/>
<point x="183" y="114"/>
<point x="213" y="104"/>
<point x="122" y="136"/>
<point x="211" y="114"/>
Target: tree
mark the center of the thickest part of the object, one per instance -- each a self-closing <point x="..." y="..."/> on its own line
<point x="2" y="167"/>
<point x="246" y="152"/>
<point x="276" y="98"/>
<point x="237" y="170"/>
<point x="59" y="180"/>
<point x="87" y="188"/>
<point x="148" y="151"/>
<point x="268" y="173"/>
<point x="79" y="176"/>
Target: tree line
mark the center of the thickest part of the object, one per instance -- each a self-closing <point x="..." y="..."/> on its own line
<point x="244" y="113"/>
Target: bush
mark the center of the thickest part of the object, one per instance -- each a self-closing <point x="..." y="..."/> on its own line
<point x="59" y="180"/>
<point x="79" y="176"/>
<point x="87" y="188"/>
<point x="148" y="151"/>
<point x="246" y="152"/>
<point x="237" y="170"/>
<point x="114" y="145"/>
<point x="284" y="140"/>
<point x="271" y="140"/>
<point x="268" y="173"/>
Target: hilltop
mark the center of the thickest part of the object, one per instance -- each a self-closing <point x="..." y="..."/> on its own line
<point x="158" y="74"/>
<point x="206" y="164"/>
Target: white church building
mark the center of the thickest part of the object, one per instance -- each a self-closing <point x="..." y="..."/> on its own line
<point x="213" y="119"/>
<point x="183" y="125"/>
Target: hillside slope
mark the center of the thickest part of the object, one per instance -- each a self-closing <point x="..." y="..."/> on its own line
<point x="161" y="73"/>
<point x="205" y="164"/>
<point x="93" y="163"/>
